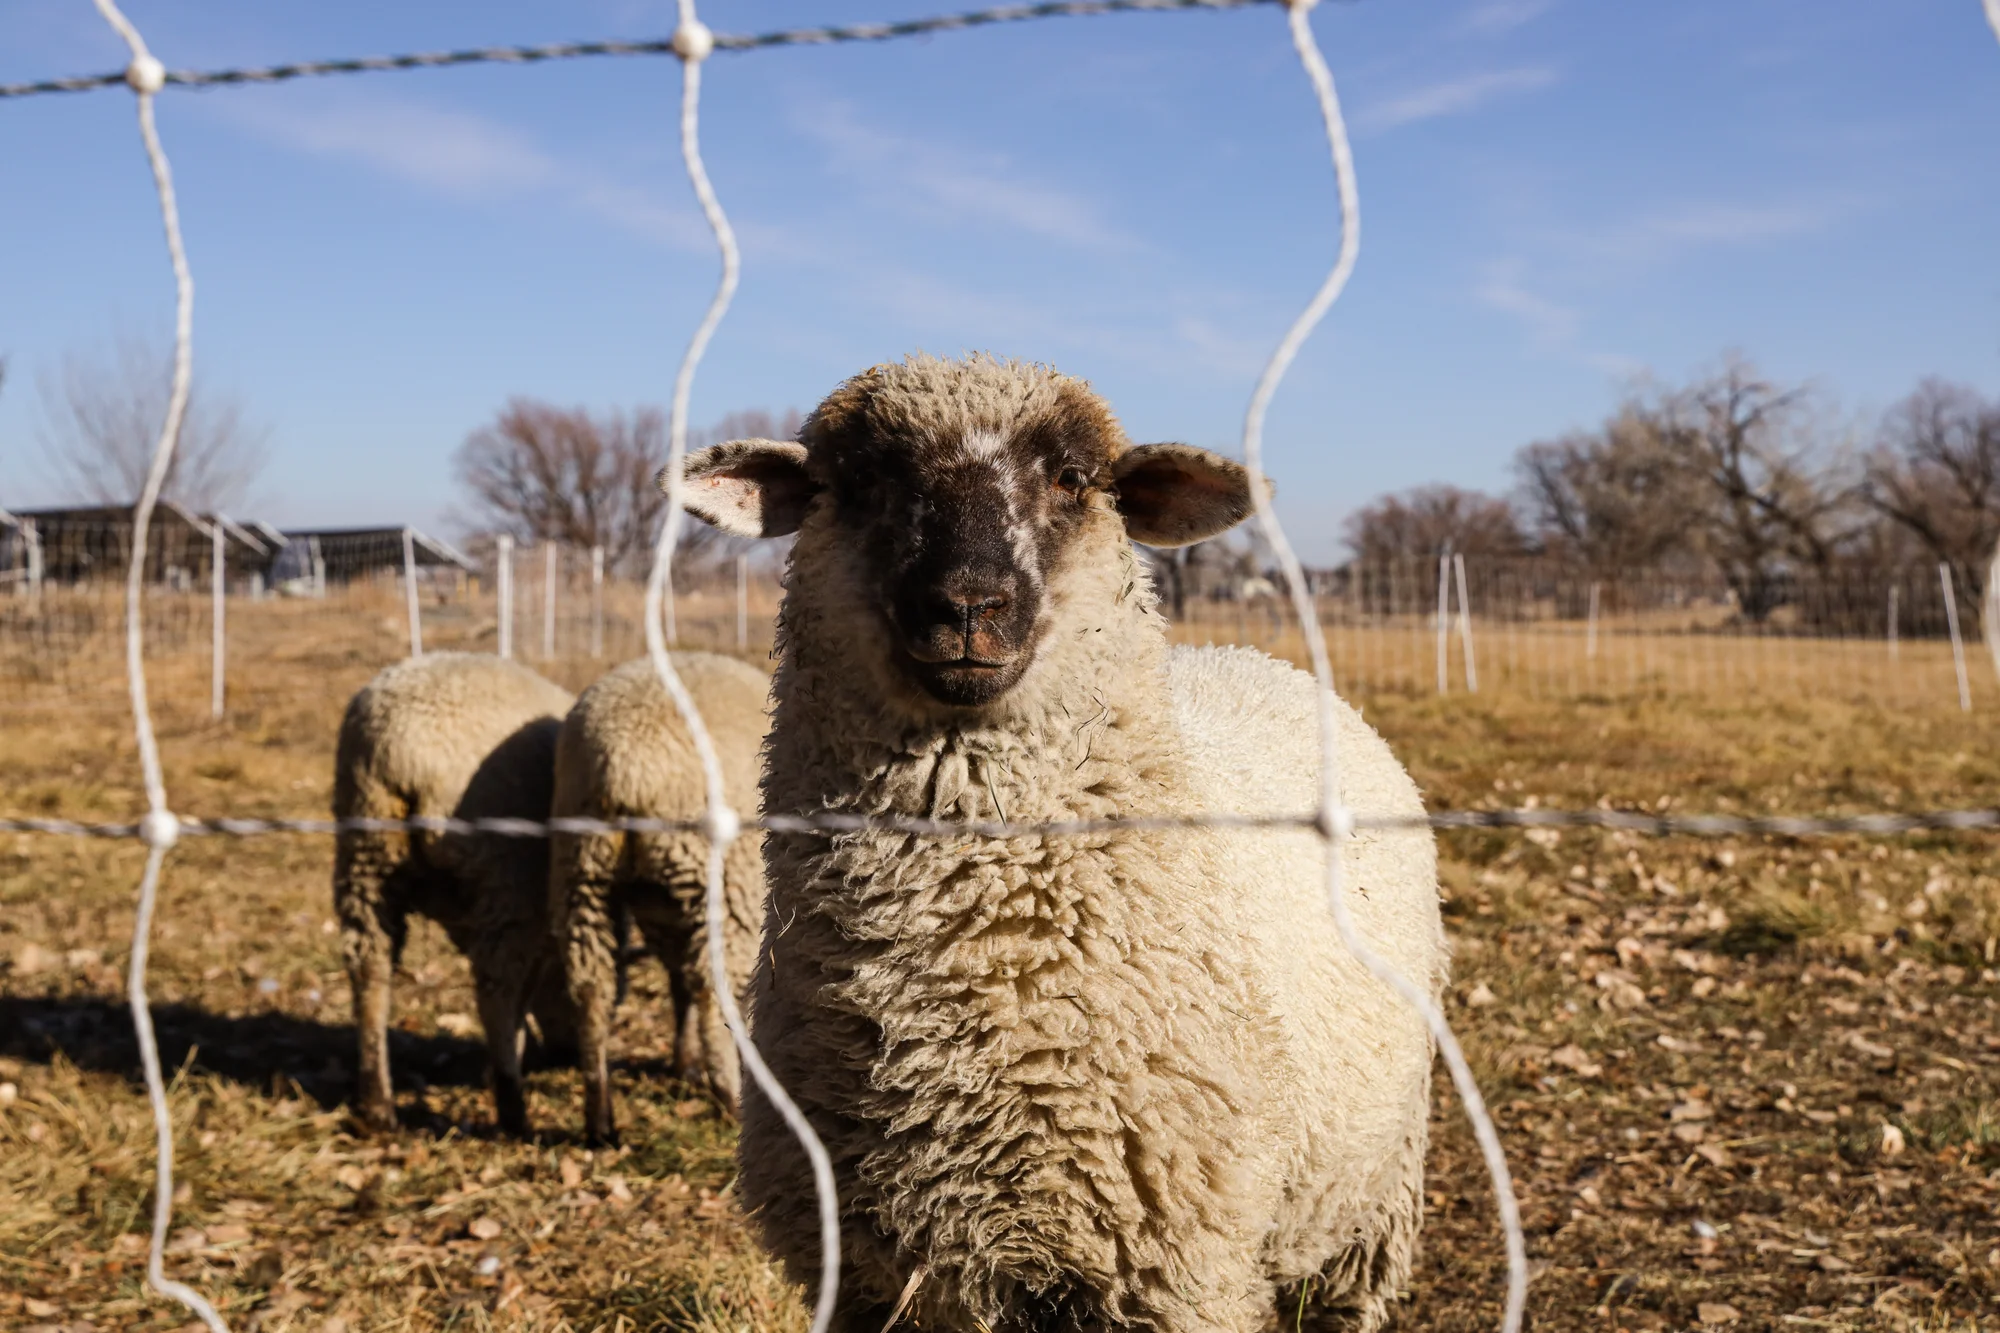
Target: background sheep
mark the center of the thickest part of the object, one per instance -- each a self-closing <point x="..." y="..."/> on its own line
<point x="1122" y="1080"/>
<point x="475" y="737"/>
<point x="625" y="753"/>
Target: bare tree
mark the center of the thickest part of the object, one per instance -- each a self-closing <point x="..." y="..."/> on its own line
<point x="1609" y="500"/>
<point x="102" y="416"/>
<point x="544" y="473"/>
<point x="1775" y="503"/>
<point x="1431" y="520"/>
<point x="1935" y="474"/>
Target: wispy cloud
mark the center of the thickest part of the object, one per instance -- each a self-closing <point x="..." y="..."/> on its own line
<point x="1549" y="322"/>
<point x="1497" y="16"/>
<point x="1683" y="227"/>
<point x="939" y="180"/>
<point x="467" y="156"/>
<point x="1551" y="326"/>
<point x="1454" y="97"/>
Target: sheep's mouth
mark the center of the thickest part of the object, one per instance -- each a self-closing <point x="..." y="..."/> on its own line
<point x="966" y="681"/>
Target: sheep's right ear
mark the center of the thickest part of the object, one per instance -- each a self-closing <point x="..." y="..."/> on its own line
<point x="748" y="488"/>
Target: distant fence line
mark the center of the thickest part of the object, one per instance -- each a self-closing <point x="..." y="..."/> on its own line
<point x="1413" y="625"/>
<point x="537" y="601"/>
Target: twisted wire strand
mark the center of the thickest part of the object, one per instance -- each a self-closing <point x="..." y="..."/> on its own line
<point x="528" y="55"/>
<point x="831" y="824"/>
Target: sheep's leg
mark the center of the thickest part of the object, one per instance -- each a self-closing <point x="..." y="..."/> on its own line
<point x="502" y="1009"/>
<point x="708" y="1051"/>
<point x="555" y="1015"/>
<point x="582" y="890"/>
<point x="371" y="926"/>
<point x="621" y="943"/>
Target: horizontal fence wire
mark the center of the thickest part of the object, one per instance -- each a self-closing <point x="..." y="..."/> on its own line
<point x="833" y="824"/>
<point x="659" y="46"/>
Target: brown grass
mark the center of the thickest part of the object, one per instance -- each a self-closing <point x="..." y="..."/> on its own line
<point x="1693" y="1047"/>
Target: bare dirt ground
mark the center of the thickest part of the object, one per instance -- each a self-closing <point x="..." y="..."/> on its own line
<point x="1744" y="1083"/>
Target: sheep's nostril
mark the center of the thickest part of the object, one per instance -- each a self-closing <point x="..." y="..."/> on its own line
<point x="981" y="606"/>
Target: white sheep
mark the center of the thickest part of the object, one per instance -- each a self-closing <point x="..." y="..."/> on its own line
<point x="450" y="734"/>
<point x="1127" y="1079"/>
<point x="624" y="752"/>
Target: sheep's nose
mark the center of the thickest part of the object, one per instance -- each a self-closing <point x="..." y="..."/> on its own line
<point x="980" y="605"/>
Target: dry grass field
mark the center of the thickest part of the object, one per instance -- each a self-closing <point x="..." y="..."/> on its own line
<point x="1748" y="1083"/>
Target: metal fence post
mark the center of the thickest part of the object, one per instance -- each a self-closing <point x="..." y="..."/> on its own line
<point x="1444" y="623"/>
<point x="216" y="579"/>
<point x="1957" y="644"/>
<point x="548" y="600"/>
<point x="503" y="581"/>
<point x="597" y="601"/>
<point x="410" y="592"/>
<point x="742" y="603"/>
<point x="1465" y="626"/>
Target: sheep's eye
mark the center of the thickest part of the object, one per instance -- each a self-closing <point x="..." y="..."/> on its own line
<point x="1072" y="480"/>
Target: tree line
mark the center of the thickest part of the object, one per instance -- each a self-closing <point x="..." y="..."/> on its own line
<point x="1732" y="475"/>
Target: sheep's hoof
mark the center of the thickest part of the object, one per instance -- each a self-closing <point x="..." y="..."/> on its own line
<point x="375" y="1117"/>
<point x="510" y="1108"/>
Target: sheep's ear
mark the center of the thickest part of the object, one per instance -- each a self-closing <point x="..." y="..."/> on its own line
<point x="748" y="488"/>
<point x="1176" y="494"/>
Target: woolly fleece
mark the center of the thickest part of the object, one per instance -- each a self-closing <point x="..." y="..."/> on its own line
<point x="469" y="736"/>
<point x="1122" y="1080"/>
<point x="625" y="752"/>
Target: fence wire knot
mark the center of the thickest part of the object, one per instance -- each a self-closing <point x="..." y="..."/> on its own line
<point x="146" y="74"/>
<point x="721" y="825"/>
<point x="693" y="41"/>
<point x="160" y="829"/>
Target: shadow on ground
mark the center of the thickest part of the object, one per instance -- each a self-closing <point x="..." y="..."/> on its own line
<point x="274" y="1053"/>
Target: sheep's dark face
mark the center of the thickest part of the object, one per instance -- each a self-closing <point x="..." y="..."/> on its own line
<point x="962" y="496"/>
<point x="961" y="531"/>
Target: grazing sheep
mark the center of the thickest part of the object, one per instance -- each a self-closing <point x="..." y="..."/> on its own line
<point x="624" y="752"/>
<point x="1121" y="1080"/>
<point x="473" y="737"/>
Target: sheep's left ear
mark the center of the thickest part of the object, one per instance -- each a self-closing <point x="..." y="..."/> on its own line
<point x="748" y="488"/>
<point x="1176" y="494"/>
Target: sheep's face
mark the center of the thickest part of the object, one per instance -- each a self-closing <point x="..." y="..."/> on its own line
<point x="961" y="491"/>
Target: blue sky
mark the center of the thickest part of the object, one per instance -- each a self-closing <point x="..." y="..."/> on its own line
<point x="1556" y="196"/>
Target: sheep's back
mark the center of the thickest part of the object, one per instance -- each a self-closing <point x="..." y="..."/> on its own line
<point x="625" y="750"/>
<point x="414" y="736"/>
<point x="1359" y="1089"/>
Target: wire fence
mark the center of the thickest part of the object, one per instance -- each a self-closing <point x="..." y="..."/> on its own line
<point x="173" y="563"/>
<point x="1491" y="627"/>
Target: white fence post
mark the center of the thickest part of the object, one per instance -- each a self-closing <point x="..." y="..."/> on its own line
<point x="1590" y="625"/>
<point x="503" y="584"/>
<point x="410" y="592"/>
<point x="1444" y="623"/>
<point x="1895" y="652"/>
<point x="1957" y="644"/>
<point x="548" y="600"/>
<point x="216" y="638"/>
<point x="1465" y="626"/>
<point x="742" y="602"/>
<point x="318" y="571"/>
<point x="33" y="537"/>
<point x="597" y="601"/>
<point x="1989" y="611"/>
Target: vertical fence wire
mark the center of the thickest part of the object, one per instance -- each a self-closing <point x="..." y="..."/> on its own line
<point x="1336" y="822"/>
<point x="693" y="43"/>
<point x="160" y="829"/>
